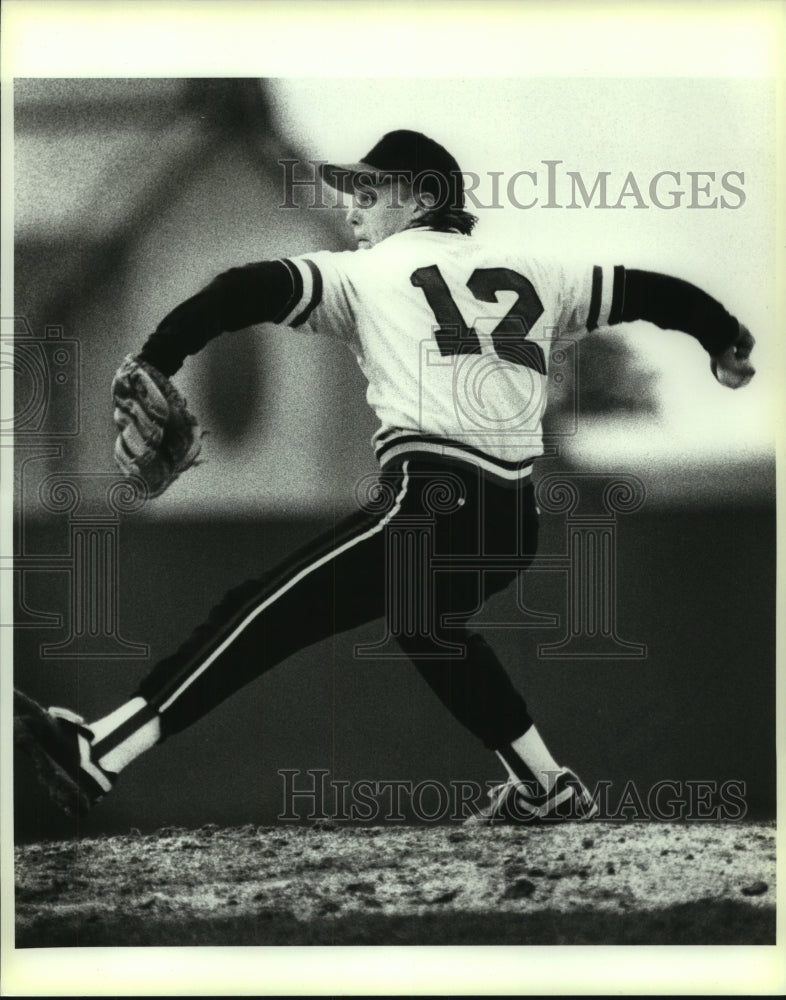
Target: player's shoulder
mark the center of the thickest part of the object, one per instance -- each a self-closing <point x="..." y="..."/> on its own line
<point x="420" y="243"/>
<point x="325" y="258"/>
<point x="502" y="248"/>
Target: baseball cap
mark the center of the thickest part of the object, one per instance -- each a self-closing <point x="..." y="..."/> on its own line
<point x="409" y="155"/>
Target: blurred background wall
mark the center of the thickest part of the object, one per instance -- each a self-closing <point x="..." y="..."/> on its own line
<point x="132" y="194"/>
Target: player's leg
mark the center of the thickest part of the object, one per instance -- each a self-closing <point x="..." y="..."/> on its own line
<point x="475" y="687"/>
<point x="329" y="586"/>
<point x="496" y="522"/>
<point x="477" y="690"/>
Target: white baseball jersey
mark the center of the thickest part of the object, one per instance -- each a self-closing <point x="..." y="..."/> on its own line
<point x="453" y="335"/>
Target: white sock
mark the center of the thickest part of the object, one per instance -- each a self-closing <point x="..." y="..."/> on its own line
<point x="142" y="738"/>
<point x="534" y="753"/>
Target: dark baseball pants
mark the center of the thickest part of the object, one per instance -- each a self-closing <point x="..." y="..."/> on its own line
<point x="434" y="539"/>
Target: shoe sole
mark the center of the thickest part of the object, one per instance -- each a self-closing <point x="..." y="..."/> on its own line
<point x="30" y="719"/>
<point x="578" y="811"/>
<point x="551" y="819"/>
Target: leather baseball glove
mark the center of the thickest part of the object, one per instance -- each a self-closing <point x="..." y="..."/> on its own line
<point x="159" y="438"/>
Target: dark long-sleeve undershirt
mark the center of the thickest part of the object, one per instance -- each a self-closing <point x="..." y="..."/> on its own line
<point x="262" y="292"/>
<point x="673" y="304"/>
<point x="236" y="299"/>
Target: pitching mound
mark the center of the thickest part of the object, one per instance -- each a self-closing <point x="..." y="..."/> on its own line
<point x="599" y="883"/>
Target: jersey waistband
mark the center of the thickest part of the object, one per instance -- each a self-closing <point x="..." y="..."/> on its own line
<point x="406" y="445"/>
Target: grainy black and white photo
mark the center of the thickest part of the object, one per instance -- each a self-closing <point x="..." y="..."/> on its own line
<point x="389" y="481"/>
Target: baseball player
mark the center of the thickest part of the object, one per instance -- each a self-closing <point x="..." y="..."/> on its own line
<point x="429" y="312"/>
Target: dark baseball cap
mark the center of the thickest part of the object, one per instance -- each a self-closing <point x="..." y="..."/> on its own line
<point x="411" y="156"/>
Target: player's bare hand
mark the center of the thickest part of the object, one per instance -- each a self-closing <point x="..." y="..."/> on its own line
<point x="733" y="368"/>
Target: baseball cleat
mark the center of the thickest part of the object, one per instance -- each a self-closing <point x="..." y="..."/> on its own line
<point x="516" y="803"/>
<point x="58" y="742"/>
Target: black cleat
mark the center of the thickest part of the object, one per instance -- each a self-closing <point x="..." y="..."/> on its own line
<point x="58" y="742"/>
<point x="514" y="802"/>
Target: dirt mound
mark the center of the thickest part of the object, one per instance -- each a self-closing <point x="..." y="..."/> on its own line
<point x="605" y="883"/>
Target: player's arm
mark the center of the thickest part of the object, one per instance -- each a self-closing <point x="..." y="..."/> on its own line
<point x="240" y="297"/>
<point x="158" y="437"/>
<point x="673" y="304"/>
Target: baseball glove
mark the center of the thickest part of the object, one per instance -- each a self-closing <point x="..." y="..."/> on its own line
<point x="159" y="438"/>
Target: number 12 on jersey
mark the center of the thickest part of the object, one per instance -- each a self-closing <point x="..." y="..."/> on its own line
<point x="453" y="336"/>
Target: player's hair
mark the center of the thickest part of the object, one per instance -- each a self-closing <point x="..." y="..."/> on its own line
<point x="446" y="219"/>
